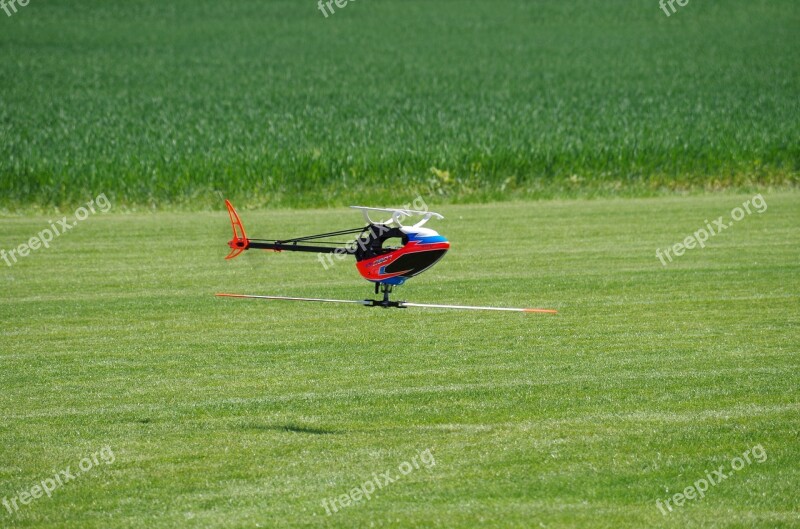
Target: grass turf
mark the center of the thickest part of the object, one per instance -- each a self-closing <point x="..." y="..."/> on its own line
<point x="230" y="413"/>
<point x="272" y="103"/>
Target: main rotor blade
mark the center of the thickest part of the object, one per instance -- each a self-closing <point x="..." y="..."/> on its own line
<point x="467" y="307"/>
<point x="402" y="304"/>
<point x="284" y="298"/>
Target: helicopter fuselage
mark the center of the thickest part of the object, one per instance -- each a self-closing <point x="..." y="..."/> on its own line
<point x="420" y="249"/>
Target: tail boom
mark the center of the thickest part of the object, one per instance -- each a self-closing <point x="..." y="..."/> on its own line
<point x="240" y="242"/>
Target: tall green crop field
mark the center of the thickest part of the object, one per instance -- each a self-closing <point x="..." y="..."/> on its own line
<point x="270" y="102"/>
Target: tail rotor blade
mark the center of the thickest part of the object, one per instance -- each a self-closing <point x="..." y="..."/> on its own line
<point x="239" y="243"/>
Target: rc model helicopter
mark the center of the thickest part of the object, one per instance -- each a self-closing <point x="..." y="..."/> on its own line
<point x="388" y="253"/>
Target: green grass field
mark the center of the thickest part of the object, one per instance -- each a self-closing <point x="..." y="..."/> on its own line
<point x="566" y="142"/>
<point x="233" y="413"/>
<point x="179" y="104"/>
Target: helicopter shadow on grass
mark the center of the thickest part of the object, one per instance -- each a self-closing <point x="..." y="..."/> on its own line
<point x="290" y="428"/>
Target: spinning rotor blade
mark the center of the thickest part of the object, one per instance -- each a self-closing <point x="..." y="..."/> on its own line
<point x="284" y="298"/>
<point x="467" y="307"/>
<point x="398" y="304"/>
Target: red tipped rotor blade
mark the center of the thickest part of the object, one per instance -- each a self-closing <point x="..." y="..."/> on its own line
<point x="469" y="307"/>
<point x="285" y="298"/>
<point x="403" y="304"/>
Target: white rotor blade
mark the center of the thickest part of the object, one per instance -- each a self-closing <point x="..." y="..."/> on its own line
<point x="398" y="215"/>
<point x="403" y="304"/>
<point x="321" y="300"/>
<point x="467" y="307"/>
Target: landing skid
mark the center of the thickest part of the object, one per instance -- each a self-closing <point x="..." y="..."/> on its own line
<point x="385" y="289"/>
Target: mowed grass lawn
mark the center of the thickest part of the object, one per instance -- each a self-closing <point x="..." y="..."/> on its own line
<point x="235" y="413"/>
